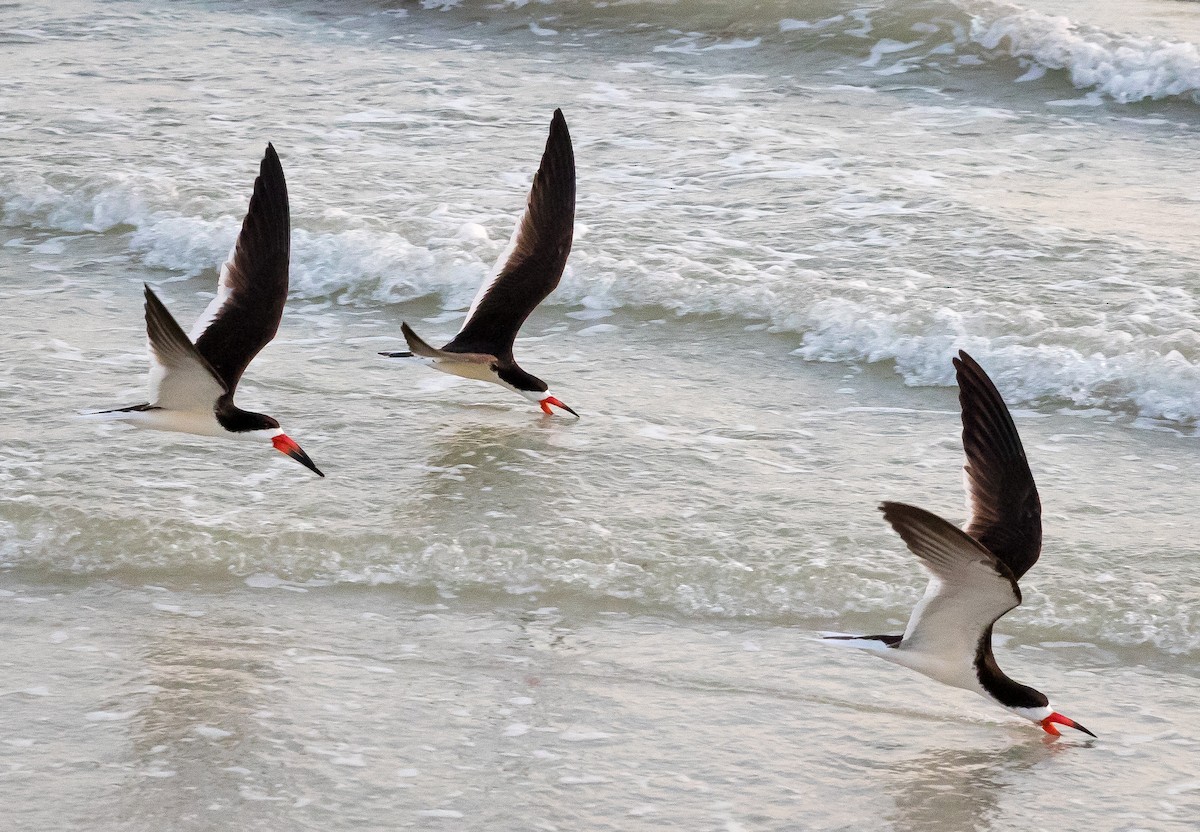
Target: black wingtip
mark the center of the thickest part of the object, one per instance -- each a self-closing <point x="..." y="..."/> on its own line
<point x="898" y="515"/>
<point x="969" y="373"/>
<point x="553" y="194"/>
<point x="266" y="229"/>
<point x="985" y="414"/>
<point x="271" y="169"/>
<point x="904" y="518"/>
<point x="560" y="136"/>
<point x="152" y="299"/>
<point x="964" y="359"/>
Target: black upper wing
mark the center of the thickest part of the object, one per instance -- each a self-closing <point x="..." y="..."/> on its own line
<point x="1006" y="514"/>
<point x="538" y="254"/>
<point x="254" y="282"/>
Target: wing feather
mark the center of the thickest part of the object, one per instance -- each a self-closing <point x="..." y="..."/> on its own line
<point x="180" y="377"/>
<point x="969" y="588"/>
<point x="419" y="347"/>
<point x="224" y="290"/>
<point x="1006" y="513"/>
<point x="253" y="287"/>
<point x="532" y="265"/>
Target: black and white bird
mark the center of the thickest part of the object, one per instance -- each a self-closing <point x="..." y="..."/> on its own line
<point x="192" y="384"/>
<point x="973" y="573"/>
<point x="528" y="270"/>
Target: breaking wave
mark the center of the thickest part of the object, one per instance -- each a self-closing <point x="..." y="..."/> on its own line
<point x="950" y="36"/>
<point x="1127" y="345"/>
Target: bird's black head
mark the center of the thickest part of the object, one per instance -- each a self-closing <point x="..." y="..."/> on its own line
<point x="236" y="420"/>
<point x="259" y="426"/>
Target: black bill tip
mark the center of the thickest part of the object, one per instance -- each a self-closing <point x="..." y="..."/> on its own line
<point x="1079" y="727"/>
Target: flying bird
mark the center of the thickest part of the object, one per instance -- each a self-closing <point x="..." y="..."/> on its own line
<point x="528" y="270"/>
<point x="973" y="572"/>
<point x="192" y="384"/>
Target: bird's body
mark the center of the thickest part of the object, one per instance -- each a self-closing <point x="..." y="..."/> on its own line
<point x="195" y="422"/>
<point x="974" y="572"/>
<point x="526" y="273"/>
<point x="193" y="379"/>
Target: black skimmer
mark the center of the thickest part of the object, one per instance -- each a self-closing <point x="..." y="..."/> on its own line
<point x="527" y="271"/>
<point x="974" y="573"/>
<point x="192" y="384"/>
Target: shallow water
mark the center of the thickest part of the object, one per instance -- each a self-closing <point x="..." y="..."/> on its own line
<point x="280" y="708"/>
<point x="790" y="216"/>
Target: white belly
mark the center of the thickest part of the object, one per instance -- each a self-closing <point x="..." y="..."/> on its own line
<point x="954" y="672"/>
<point x="467" y="369"/>
<point x="201" y="423"/>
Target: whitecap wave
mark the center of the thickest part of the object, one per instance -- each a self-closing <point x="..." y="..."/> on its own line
<point x="897" y="37"/>
<point x="1139" y="354"/>
<point x="1126" y="68"/>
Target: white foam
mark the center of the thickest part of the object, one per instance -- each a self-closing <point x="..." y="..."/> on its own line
<point x="583" y="735"/>
<point x="1136" y="357"/>
<point x="887" y="46"/>
<point x="1123" y="67"/>
<point x="108" y="716"/>
<point x="98" y="205"/>
<point x="790" y="24"/>
<point x="692" y="43"/>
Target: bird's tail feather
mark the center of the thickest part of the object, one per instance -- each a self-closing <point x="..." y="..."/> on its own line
<point x="114" y="412"/>
<point x="402" y="354"/>
<point x="127" y="408"/>
<point x="418" y="346"/>
<point x="876" y="643"/>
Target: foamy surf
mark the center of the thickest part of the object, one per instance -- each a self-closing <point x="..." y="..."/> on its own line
<point x="895" y="38"/>
<point x="1141" y="358"/>
<point x="1124" y="68"/>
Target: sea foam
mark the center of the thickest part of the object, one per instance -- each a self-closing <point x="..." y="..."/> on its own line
<point x="1141" y="356"/>
<point x="1125" y="68"/>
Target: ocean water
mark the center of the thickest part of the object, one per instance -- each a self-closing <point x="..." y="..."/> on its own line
<point x="790" y="216"/>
